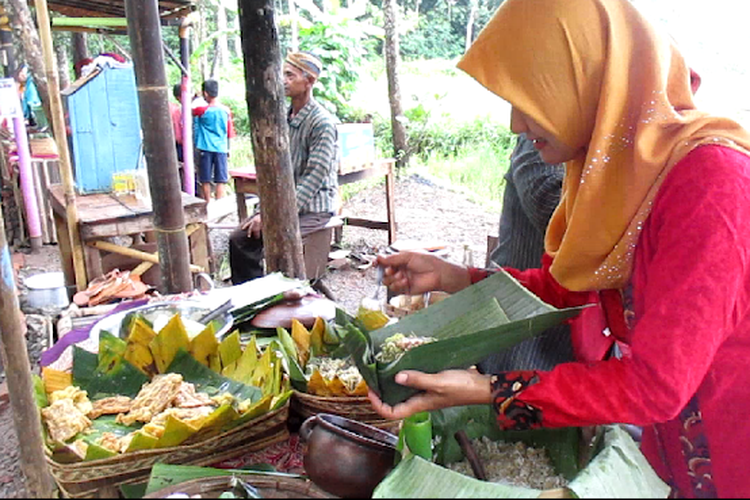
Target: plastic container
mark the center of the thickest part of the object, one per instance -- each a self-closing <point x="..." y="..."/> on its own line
<point x="47" y="290"/>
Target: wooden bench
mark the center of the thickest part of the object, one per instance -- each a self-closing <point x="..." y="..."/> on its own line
<point x="246" y="182"/>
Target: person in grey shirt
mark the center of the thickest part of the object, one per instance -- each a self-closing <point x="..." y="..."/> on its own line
<point x="532" y="192"/>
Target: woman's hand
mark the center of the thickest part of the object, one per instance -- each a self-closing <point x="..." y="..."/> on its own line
<point x="442" y="390"/>
<point x="414" y="273"/>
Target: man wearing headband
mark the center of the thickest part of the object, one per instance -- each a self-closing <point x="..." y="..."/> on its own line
<point x="314" y="154"/>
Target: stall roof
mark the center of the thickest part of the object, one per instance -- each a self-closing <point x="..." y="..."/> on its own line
<point x="116" y="8"/>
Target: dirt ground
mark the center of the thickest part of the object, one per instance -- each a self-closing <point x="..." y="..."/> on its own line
<point x="425" y="212"/>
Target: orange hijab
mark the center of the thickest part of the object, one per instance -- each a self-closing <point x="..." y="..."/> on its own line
<point x="598" y="76"/>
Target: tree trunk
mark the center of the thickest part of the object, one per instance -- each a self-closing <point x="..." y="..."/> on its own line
<point x="25" y="31"/>
<point x="15" y="359"/>
<point x="400" y="145"/>
<point x="144" y="31"/>
<point x="270" y="133"/>
<point x="470" y="25"/>
<point x="80" y="46"/>
<point x="222" y="45"/>
<point x="63" y="69"/>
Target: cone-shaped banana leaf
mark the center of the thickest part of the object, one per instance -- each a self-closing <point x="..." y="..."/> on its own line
<point x="242" y="370"/>
<point x="142" y="441"/>
<point x="96" y="452"/>
<point x="302" y="341"/>
<point x="168" y="341"/>
<point x="230" y="350"/>
<point x="111" y="351"/>
<point x="138" y="352"/>
<point x="205" y="348"/>
<point x="289" y="351"/>
<point x="55" y="380"/>
<point x="175" y="432"/>
<point x="317" y="346"/>
<point x="487" y="317"/>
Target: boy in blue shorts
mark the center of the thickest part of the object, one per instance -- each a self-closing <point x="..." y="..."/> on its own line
<point x="213" y="129"/>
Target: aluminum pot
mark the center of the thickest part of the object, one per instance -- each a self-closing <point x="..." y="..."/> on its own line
<point x="46" y="290"/>
<point x="346" y="457"/>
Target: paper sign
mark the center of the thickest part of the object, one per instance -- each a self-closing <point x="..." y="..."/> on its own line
<point x="10" y="104"/>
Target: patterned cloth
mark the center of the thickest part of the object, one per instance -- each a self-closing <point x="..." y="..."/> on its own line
<point x="532" y="192"/>
<point x="314" y="152"/>
<point x="286" y="456"/>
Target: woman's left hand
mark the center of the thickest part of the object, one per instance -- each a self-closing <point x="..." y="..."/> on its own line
<point x="441" y="390"/>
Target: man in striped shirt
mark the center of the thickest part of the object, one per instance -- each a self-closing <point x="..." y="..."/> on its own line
<point x="314" y="154"/>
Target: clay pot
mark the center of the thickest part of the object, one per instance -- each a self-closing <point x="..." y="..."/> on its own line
<point x="345" y="457"/>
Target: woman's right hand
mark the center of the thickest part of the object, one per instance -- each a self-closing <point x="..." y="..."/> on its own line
<point x="414" y="273"/>
<point x="253" y="225"/>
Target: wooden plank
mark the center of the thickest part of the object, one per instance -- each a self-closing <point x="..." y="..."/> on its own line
<point x="65" y="249"/>
<point x="370" y="224"/>
<point x="199" y="249"/>
<point x="93" y="262"/>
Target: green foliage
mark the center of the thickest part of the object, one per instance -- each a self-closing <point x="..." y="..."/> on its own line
<point x="238" y="105"/>
<point x="340" y="50"/>
<point x="434" y="37"/>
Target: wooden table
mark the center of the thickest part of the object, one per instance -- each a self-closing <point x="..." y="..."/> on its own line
<point x="104" y="215"/>
<point x="247" y="183"/>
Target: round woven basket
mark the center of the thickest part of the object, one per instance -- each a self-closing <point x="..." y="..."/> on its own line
<point x="268" y="487"/>
<point x="354" y="407"/>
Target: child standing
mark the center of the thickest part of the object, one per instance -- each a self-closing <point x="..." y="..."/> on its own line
<point x="213" y="129"/>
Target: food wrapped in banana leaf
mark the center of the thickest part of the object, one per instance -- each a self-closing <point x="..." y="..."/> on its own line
<point x="484" y="318"/>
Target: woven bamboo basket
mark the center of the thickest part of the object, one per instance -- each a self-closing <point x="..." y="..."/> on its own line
<point x="268" y="487"/>
<point x="354" y="407"/>
<point x="89" y="479"/>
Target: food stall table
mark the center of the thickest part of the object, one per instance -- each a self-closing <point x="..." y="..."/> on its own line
<point x="104" y="215"/>
<point x="246" y="182"/>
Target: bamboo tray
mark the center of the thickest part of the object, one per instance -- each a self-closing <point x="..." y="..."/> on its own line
<point x="268" y="487"/>
<point x="353" y="407"/>
<point x="86" y="479"/>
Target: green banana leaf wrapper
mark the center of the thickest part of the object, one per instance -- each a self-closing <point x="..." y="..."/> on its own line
<point x="484" y="318"/>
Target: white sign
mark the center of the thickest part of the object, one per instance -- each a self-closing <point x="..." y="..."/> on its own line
<point x="10" y="104"/>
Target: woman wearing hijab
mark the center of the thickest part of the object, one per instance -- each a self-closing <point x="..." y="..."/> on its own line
<point x="653" y="224"/>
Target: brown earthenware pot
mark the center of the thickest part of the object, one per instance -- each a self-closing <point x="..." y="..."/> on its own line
<point x="345" y="457"/>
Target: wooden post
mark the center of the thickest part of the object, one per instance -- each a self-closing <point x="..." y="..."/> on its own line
<point x="15" y="359"/>
<point x="58" y="126"/>
<point x="80" y="47"/>
<point x="266" y="105"/>
<point x="6" y="44"/>
<point x="186" y="99"/>
<point x="144" y="31"/>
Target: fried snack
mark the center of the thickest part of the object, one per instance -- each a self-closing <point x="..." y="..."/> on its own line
<point x="110" y="406"/>
<point x="64" y="420"/>
<point x="77" y="396"/>
<point x="188" y="398"/>
<point x="153" y="398"/>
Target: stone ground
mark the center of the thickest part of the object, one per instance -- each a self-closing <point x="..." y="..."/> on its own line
<point x="425" y="212"/>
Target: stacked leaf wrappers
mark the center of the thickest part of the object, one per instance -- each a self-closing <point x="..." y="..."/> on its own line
<point x="241" y="383"/>
<point x="484" y="318"/>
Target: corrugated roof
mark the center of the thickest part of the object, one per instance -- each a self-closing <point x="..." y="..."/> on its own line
<point x="115" y="8"/>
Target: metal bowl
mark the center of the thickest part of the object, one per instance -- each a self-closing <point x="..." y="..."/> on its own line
<point x="190" y="310"/>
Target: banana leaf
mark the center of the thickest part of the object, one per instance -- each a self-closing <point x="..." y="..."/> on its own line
<point x="619" y="470"/>
<point x="416" y="436"/>
<point x="126" y="381"/>
<point x="208" y="381"/>
<point x="164" y="475"/>
<point x="289" y="352"/>
<point x="415" y="477"/>
<point x="487" y="317"/>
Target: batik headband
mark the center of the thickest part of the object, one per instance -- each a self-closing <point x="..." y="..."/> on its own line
<point x="305" y="62"/>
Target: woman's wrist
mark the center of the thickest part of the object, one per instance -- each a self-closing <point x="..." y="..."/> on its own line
<point x="455" y="278"/>
<point x="481" y="392"/>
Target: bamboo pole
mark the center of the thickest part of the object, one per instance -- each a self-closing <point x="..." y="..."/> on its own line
<point x="132" y="252"/>
<point x="144" y="31"/>
<point x="15" y="359"/>
<point x="58" y="125"/>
